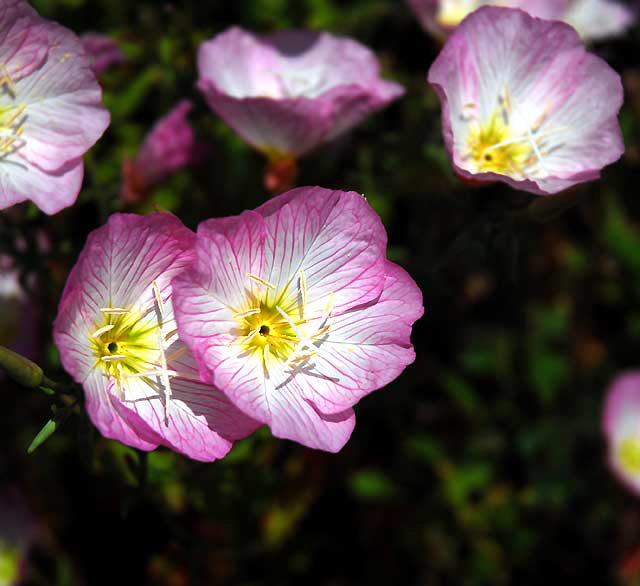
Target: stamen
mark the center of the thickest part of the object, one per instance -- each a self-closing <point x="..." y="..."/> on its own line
<point x="163" y="359"/>
<point x="101" y="331"/>
<point x="303" y="287"/>
<point x="289" y="321"/>
<point x="247" y="313"/>
<point x="171" y="334"/>
<point x="158" y="372"/>
<point x="113" y="358"/>
<point x="260" y="281"/>
<point x="114" y="310"/>
<point x="6" y="79"/>
<point x="176" y="354"/>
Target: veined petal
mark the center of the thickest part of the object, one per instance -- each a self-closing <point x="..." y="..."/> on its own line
<point x="108" y="418"/>
<point x="51" y="192"/>
<point x="333" y="236"/>
<point x="63" y="104"/>
<point x="364" y="349"/>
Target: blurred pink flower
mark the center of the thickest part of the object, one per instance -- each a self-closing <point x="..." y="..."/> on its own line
<point x="288" y="92"/>
<point x="51" y="109"/>
<point x="294" y="312"/>
<point x="170" y="146"/>
<point x="621" y="426"/>
<point x="103" y="52"/>
<point x="524" y="103"/>
<point x="593" y="19"/>
<point x="18" y="321"/>
<point x="117" y="337"/>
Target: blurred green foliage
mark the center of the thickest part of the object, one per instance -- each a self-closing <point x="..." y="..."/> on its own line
<point x="483" y="464"/>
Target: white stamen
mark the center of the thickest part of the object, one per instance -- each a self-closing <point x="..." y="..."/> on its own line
<point x="260" y="281"/>
<point x="163" y="359"/>
<point x="101" y="331"/>
<point x="114" y="310"/>
<point x="289" y="321"/>
<point x="113" y="358"/>
<point x="247" y="313"/>
<point x="303" y="288"/>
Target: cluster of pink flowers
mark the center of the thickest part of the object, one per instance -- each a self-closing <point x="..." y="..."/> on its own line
<point x="289" y="314"/>
<point x="286" y="315"/>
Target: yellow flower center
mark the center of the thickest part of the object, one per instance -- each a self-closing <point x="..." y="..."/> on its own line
<point x="275" y="325"/>
<point x="12" y="117"/>
<point x="452" y="12"/>
<point x="492" y="150"/>
<point x="629" y="455"/>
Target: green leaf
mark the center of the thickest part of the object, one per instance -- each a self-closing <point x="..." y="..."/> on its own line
<point x="43" y="435"/>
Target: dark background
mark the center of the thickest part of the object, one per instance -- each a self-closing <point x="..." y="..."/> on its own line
<point x="483" y="463"/>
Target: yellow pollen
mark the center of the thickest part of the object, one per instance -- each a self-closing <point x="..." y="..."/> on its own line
<point x="629" y="454"/>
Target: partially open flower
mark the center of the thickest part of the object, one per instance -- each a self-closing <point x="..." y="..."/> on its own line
<point x="621" y="426"/>
<point x="288" y="92"/>
<point x="51" y="109"/>
<point x="169" y="146"/>
<point x="524" y="103"/>
<point x="593" y="19"/>
<point x="103" y="52"/>
<point x="117" y="337"/>
<point x="294" y="312"/>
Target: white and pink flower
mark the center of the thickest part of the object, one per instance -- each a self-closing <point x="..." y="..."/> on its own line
<point x="593" y="19"/>
<point x="288" y="92"/>
<point x="51" y="109"/>
<point x="117" y="336"/>
<point x="621" y="426"/>
<point x="294" y="312"/>
<point x="524" y="103"/>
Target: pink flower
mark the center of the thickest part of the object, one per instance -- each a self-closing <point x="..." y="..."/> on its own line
<point x="286" y="93"/>
<point x="294" y="312"/>
<point x="117" y="337"/>
<point x="598" y="19"/>
<point x="103" y="52"/>
<point x="440" y="17"/>
<point x="593" y="19"/>
<point x="621" y="426"/>
<point x="167" y="148"/>
<point x="524" y="103"/>
<point x="50" y="109"/>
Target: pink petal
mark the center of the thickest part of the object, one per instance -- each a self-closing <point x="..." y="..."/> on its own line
<point x="65" y="115"/>
<point x="567" y="96"/>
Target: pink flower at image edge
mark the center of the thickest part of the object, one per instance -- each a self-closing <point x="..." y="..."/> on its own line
<point x="51" y="109"/>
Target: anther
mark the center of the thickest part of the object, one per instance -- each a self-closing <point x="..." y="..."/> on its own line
<point x="101" y="331"/>
<point x="260" y="281"/>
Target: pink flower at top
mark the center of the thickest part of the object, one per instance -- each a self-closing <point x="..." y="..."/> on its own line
<point x="597" y="20"/>
<point x="621" y="426"/>
<point x="51" y="109"/>
<point x="524" y="103"/>
<point x="117" y="337"/>
<point x="288" y="92"/>
<point x="103" y="52"/>
<point x="170" y="146"/>
<point x="593" y="19"/>
<point x="294" y="312"/>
